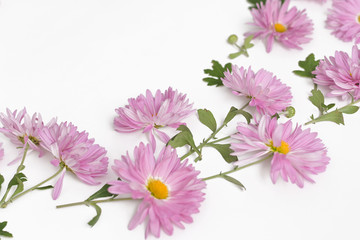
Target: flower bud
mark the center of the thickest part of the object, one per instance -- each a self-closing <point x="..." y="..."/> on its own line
<point x="290" y="112"/>
<point x="232" y="39"/>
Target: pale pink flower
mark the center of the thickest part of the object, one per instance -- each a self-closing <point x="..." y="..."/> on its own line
<point x="75" y="152"/>
<point x="344" y="19"/>
<point x="265" y="91"/>
<point x="275" y="22"/>
<point x="295" y="154"/>
<point x="22" y="129"/>
<point x="1" y="151"/>
<point x="341" y="74"/>
<point x="170" y="190"/>
<point x="149" y="113"/>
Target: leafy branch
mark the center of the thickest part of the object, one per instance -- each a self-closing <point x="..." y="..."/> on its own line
<point x="216" y="73"/>
<point x="242" y="50"/>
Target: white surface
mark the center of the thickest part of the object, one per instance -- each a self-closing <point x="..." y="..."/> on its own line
<point x="80" y="59"/>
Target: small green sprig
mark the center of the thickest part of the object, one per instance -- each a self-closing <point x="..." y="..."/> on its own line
<point x="216" y="73"/>
<point x="242" y="50"/>
<point x="4" y="233"/>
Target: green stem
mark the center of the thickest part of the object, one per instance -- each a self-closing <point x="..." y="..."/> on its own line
<point x="212" y="136"/>
<point x="236" y="169"/>
<point x="219" y="140"/>
<point x="87" y="203"/>
<point x="13" y="198"/>
<point x="339" y="109"/>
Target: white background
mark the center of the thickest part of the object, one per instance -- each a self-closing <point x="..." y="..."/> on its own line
<point x="80" y="59"/>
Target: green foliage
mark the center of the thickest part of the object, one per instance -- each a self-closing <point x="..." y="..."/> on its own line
<point x="233" y="180"/>
<point x="95" y="219"/>
<point x="45" y="187"/>
<point x="207" y="118"/>
<point x="334" y="116"/>
<point x="309" y="65"/>
<point x="103" y="192"/>
<point x="4" y="233"/>
<point x="18" y="181"/>
<point x="254" y="2"/>
<point x="234" y="111"/>
<point x="1" y="180"/>
<point x="349" y="109"/>
<point x="216" y="73"/>
<point x="225" y="151"/>
<point x="242" y="49"/>
<point x="318" y="100"/>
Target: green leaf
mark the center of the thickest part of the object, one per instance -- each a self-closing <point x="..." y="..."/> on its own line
<point x="103" y="192"/>
<point x="309" y="65"/>
<point x="317" y="99"/>
<point x="45" y="187"/>
<point x="1" y="180"/>
<point x="247" y="42"/>
<point x="207" y="118"/>
<point x="235" y="55"/>
<point x="331" y="105"/>
<point x="335" y="116"/>
<point x="234" y="111"/>
<point x="349" y="109"/>
<point x="4" y="233"/>
<point x="225" y="151"/>
<point x="95" y="219"/>
<point x="234" y="181"/>
<point x="17" y="181"/>
<point x="184" y="137"/>
<point x="216" y="73"/>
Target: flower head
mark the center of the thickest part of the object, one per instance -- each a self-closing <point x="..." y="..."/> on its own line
<point x="22" y="129"/>
<point x="169" y="189"/>
<point x="341" y="74"/>
<point x="344" y="19"/>
<point x="74" y="151"/>
<point x="266" y="92"/>
<point x="275" y="22"/>
<point x="149" y="113"/>
<point x="295" y="153"/>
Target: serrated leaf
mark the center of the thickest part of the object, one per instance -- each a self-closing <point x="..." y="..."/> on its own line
<point x="234" y="181"/>
<point x="309" y="65"/>
<point x="335" y="116"/>
<point x="17" y="181"/>
<point x="4" y="233"/>
<point x="349" y="109"/>
<point x="103" y="192"/>
<point x="45" y="187"/>
<point x="1" y="180"/>
<point x="216" y="73"/>
<point x="317" y="99"/>
<point x="95" y="219"/>
<point x="225" y="151"/>
<point x="207" y="118"/>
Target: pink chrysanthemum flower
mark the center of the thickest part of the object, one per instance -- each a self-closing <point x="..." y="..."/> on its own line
<point x="169" y="189"/>
<point x="22" y="129"/>
<point x="75" y="152"/>
<point x="149" y="113"/>
<point x="341" y="74"/>
<point x="266" y="92"/>
<point x="344" y="19"/>
<point x="295" y="153"/>
<point x="275" y="22"/>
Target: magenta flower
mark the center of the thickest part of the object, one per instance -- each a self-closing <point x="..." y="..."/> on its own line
<point x="275" y="22"/>
<point x="149" y="113"/>
<point x="169" y="189"/>
<point x="266" y="92"/>
<point x="295" y="153"/>
<point x="74" y="151"/>
<point x="344" y="19"/>
<point x="341" y="74"/>
<point x="22" y="129"/>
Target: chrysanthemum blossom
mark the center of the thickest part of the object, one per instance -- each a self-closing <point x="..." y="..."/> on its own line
<point x="75" y="152"/>
<point x="295" y="153"/>
<point x="150" y="113"/>
<point x="341" y="74"/>
<point x="266" y="92"/>
<point x="22" y="129"/>
<point x="170" y="189"/>
<point x="274" y="21"/>
<point x="344" y="19"/>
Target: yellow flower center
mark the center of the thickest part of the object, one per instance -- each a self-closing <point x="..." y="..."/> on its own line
<point x="284" y="147"/>
<point x="157" y="188"/>
<point x="358" y="18"/>
<point x="279" y="27"/>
